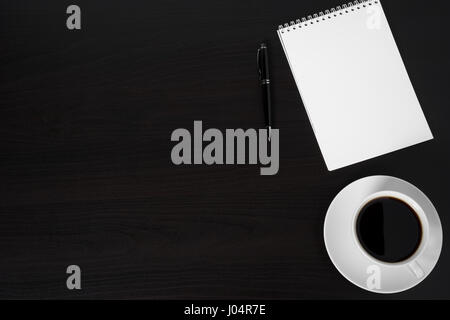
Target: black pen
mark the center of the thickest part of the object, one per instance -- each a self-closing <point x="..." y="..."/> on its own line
<point x="263" y="68"/>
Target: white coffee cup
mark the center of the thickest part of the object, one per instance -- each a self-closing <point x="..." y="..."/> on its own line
<point x="358" y="265"/>
<point x="412" y="261"/>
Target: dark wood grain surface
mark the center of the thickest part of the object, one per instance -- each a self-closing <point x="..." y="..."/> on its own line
<point x="85" y="171"/>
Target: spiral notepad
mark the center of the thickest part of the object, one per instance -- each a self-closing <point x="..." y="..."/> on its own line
<point x="353" y="83"/>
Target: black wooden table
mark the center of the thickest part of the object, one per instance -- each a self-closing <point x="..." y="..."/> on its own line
<point x="86" y="176"/>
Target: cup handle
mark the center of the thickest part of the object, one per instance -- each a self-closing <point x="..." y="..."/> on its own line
<point x="416" y="269"/>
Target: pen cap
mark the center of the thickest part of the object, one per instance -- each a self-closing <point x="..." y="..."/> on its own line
<point x="263" y="62"/>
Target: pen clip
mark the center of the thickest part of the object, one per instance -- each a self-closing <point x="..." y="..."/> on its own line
<point x="258" y="63"/>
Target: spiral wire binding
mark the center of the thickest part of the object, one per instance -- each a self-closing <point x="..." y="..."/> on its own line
<point x="327" y="14"/>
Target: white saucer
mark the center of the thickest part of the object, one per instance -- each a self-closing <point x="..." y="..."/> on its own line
<point x="354" y="263"/>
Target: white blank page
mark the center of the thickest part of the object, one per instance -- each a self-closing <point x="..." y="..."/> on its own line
<point x="354" y="85"/>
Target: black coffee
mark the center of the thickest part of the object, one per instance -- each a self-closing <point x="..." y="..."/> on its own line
<point x="389" y="229"/>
